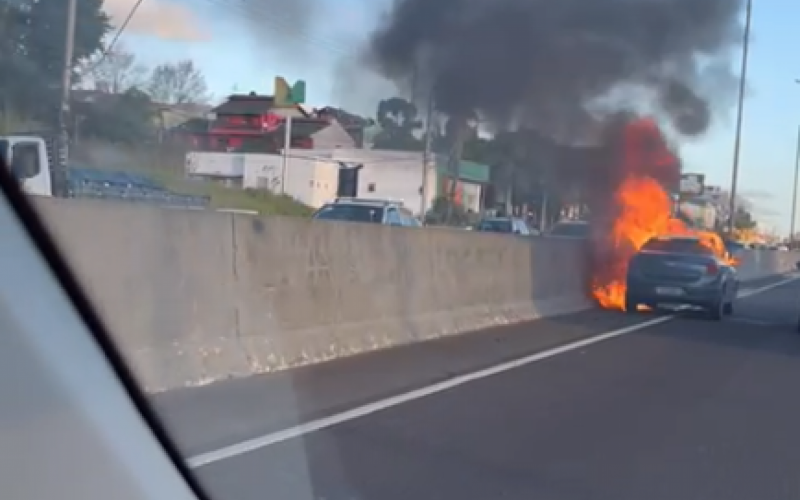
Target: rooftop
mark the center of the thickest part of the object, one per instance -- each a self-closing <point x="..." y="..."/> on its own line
<point x="246" y="104"/>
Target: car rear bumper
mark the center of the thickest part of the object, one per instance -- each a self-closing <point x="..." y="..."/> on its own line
<point x="657" y="293"/>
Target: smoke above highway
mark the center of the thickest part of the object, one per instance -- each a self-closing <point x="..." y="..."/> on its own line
<point x="515" y="60"/>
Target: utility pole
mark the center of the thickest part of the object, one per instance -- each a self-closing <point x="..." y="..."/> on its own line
<point x="459" y="128"/>
<point x="60" y="184"/>
<point x="739" y="118"/>
<point x="426" y="156"/>
<point x="794" y="188"/>
<point x="287" y="145"/>
<point x="414" y="80"/>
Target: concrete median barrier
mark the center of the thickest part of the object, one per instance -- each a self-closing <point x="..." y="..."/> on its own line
<point x="199" y="296"/>
<point x="763" y="263"/>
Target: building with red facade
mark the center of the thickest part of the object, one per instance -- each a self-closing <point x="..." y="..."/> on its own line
<point x="254" y="123"/>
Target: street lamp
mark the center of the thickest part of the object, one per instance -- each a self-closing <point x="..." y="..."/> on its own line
<point x="739" y="118"/>
<point x="794" y="186"/>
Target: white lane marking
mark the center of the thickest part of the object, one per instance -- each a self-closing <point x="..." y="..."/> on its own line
<point x="753" y="321"/>
<point x="749" y="292"/>
<point x="272" y="438"/>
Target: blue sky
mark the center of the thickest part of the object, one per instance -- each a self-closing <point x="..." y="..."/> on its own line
<point x="234" y="55"/>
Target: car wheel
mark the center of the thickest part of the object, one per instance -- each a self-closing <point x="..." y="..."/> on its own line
<point x="716" y="310"/>
<point x="727" y="309"/>
<point x="631" y="305"/>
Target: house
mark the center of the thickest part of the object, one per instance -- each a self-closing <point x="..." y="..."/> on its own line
<point x="255" y="123"/>
<point x="312" y="176"/>
<point x="354" y="125"/>
<point x="170" y="116"/>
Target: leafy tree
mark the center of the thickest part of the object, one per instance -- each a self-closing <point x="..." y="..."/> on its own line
<point x="398" y="120"/>
<point x="743" y="216"/>
<point x="517" y="158"/>
<point x="444" y="212"/>
<point x="32" y="36"/>
<point x="124" y="118"/>
<point x="178" y="83"/>
<point x="744" y="219"/>
<point x="115" y="71"/>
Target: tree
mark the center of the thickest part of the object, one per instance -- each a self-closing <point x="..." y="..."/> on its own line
<point x="398" y="120"/>
<point x="444" y="212"/>
<point x="743" y="220"/>
<point x="115" y="71"/>
<point x="178" y="83"/>
<point x="32" y="34"/>
<point x="124" y="118"/>
<point x="517" y="158"/>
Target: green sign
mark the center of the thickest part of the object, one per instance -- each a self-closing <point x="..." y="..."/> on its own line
<point x="297" y="94"/>
<point x="469" y="171"/>
<point x="289" y="96"/>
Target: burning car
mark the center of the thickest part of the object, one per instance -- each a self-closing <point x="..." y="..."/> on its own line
<point x="631" y="207"/>
<point x="681" y="270"/>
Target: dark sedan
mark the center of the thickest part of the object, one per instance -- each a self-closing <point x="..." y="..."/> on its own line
<point x="681" y="270"/>
<point x="571" y="229"/>
<point x="505" y="225"/>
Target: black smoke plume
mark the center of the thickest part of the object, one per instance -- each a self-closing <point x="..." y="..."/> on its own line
<point x="516" y="60"/>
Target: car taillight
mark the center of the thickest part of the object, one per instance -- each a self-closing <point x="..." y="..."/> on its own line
<point x="712" y="269"/>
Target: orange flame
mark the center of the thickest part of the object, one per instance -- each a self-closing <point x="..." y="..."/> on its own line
<point x="644" y="211"/>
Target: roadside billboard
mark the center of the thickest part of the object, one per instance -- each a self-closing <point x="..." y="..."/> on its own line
<point x="692" y="185"/>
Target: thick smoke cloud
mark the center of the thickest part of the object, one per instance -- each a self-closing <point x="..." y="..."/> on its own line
<point x="519" y="59"/>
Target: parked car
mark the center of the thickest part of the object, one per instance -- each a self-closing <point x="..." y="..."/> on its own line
<point x="680" y="270"/>
<point x="571" y="229"/>
<point x="505" y="225"/>
<point x="386" y="212"/>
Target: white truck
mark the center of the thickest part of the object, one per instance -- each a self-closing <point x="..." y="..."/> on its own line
<point x="41" y="170"/>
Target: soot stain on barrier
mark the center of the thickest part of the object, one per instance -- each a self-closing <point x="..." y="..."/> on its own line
<point x="258" y="226"/>
<point x="318" y="271"/>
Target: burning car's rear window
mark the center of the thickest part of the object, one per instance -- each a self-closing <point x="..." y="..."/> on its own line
<point x="678" y="245"/>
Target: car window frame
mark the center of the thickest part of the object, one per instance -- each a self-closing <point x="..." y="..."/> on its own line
<point x="392" y="217"/>
<point x="332" y="206"/>
<point x="696" y="243"/>
<point x="15" y="153"/>
<point x="489" y="224"/>
<point x="521" y="227"/>
<point x="48" y="255"/>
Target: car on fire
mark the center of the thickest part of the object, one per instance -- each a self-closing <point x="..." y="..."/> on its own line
<point x="684" y="271"/>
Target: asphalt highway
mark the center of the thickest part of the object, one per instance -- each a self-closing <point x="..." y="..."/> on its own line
<point x="601" y="407"/>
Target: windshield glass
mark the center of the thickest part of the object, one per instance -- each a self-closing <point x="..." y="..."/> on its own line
<point x="678" y="245"/>
<point x="495" y="226"/>
<point x="350" y="213"/>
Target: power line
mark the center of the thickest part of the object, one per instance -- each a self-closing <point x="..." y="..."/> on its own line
<point x="119" y="33"/>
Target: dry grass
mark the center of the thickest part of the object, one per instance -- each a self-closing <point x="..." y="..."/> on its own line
<point x="166" y="166"/>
